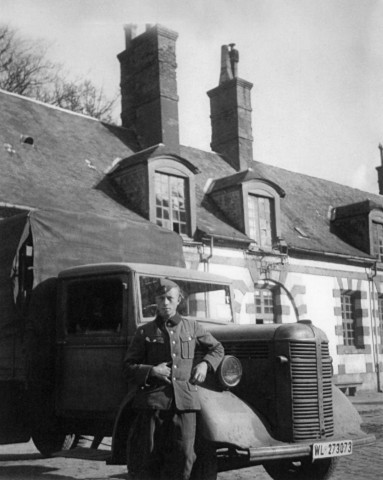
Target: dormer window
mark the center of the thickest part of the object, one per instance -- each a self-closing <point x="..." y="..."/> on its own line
<point x="160" y="186"/>
<point x="172" y="195"/>
<point x="252" y="204"/>
<point x="261" y="220"/>
<point x="261" y="201"/>
<point x="360" y="225"/>
<point x="172" y="209"/>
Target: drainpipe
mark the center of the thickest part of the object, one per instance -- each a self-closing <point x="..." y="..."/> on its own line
<point x="206" y="259"/>
<point x="374" y="334"/>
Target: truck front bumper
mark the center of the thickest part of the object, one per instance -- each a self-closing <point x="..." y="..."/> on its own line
<point x="295" y="450"/>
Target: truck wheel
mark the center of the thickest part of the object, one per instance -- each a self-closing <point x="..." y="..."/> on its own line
<point x="48" y="443"/>
<point x="301" y="469"/>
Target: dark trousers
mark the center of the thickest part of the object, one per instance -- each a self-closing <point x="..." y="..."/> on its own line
<point x="161" y="445"/>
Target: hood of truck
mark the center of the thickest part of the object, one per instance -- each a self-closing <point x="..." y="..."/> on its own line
<point x="277" y="332"/>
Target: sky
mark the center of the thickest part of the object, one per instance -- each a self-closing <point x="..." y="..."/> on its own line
<point x="316" y="67"/>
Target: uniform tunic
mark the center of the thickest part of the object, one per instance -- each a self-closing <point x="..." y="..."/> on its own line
<point x="173" y="342"/>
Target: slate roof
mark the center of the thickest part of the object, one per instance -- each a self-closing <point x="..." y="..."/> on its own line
<point x="305" y="205"/>
<point x="65" y="169"/>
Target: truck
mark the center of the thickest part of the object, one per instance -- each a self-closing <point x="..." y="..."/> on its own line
<point x="272" y="401"/>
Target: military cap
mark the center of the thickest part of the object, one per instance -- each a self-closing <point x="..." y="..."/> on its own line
<point x="164" y="285"/>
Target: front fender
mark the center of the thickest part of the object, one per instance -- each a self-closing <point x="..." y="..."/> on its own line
<point x="225" y="418"/>
<point x="347" y="421"/>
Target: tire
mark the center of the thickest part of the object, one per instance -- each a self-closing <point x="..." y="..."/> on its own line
<point x="303" y="469"/>
<point x="47" y="443"/>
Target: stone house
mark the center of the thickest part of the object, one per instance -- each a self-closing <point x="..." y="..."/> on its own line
<point x="297" y="247"/>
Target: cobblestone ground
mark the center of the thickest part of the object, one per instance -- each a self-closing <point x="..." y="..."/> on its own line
<point x="22" y="462"/>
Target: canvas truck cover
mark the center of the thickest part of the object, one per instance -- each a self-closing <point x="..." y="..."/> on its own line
<point x="62" y="239"/>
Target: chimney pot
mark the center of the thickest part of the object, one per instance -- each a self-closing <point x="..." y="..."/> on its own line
<point x="130" y="33"/>
<point x="230" y="113"/>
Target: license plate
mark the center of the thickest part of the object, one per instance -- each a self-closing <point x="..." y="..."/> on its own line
<point x="332" y="449"/>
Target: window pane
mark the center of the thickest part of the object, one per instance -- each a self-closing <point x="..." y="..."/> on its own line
<point x="261" y="227"/>
<point x="201" y="301"/>
<point x="172" y="190"/>
<point x="348" y="318"/>
<point x="264" y="305"/>
<point x="94" y="306"/>
<point x="377" y="239"/>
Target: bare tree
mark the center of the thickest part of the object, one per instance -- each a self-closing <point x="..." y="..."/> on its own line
<point x="25" y="69"/>
<point x="23" y="64"/>
<point x="80" y="96"/>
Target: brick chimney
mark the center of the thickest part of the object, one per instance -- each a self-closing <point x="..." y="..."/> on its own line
<point x="149" y="86"/>
<point x="380" y="170"/>
<point x="230" y="113"/>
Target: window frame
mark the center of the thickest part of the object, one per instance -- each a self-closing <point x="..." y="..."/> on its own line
<point x="170" y="182"/>
<point x="263" y="241"/>
<point x="266" y="316"/>
<point x="260" y="189"/>
<point x="171" y="167"/>
<point x="181" y="282"/>
<point x="90" y="334"/>
<point x="376" y="240"/>
<point x="348" y="340"/>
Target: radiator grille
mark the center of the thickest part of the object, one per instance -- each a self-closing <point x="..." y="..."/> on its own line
<point x="312" y="418"/>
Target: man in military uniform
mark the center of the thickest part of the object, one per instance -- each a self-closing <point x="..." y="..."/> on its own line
<point x="159" y="362"/>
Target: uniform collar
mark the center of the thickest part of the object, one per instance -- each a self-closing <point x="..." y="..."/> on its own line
<point x="172" y="321"/>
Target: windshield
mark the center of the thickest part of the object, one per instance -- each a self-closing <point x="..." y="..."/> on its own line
<point x="201" y="301"/>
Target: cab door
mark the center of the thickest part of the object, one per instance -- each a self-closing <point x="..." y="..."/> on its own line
<point x="92" y="345"/>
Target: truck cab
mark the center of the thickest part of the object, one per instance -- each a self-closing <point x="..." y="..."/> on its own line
<point x="272" y="401"/>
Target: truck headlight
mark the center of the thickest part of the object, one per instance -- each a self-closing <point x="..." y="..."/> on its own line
<point x="230" y="371"/>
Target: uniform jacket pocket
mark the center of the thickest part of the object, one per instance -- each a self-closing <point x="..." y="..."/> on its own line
<point x="187" y="345"/>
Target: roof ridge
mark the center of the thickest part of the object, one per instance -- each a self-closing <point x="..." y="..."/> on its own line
<point x="48" y="105"/>
<point x="268" y="165"/>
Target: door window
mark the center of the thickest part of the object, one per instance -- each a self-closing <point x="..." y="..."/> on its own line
<point x="95" y="306"/>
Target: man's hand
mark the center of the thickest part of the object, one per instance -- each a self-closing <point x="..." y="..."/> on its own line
<point x="199" y="373"/>
<point x="161" y="371"/>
